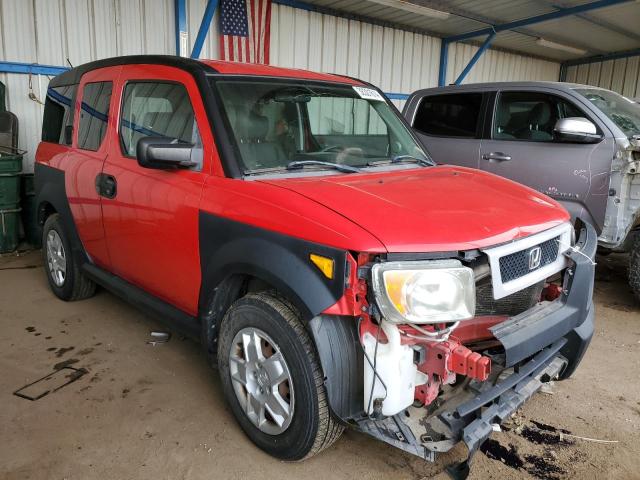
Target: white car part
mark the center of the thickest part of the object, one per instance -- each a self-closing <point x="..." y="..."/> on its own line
<point x="396" y="375"/>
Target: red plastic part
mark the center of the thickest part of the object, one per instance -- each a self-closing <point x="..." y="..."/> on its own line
<point x="465" y="362"/>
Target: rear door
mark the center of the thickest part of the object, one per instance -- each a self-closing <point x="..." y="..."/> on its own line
<point x="521" y="146"/>
<point x="83" y="164"/>
<point x="151" y="216"/>
<point x="450" y="126"/>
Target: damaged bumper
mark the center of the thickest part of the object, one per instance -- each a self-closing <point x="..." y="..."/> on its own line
<point x="553" y="336"/>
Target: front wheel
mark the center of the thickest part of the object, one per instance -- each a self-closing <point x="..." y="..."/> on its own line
<point x="634" y="267"/>
<point x="272" y="378"/>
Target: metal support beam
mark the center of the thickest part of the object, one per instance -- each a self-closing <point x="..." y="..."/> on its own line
<point x="182" y="35"/>
<point x="207" y="18"/>
<point x="587" y="7"/>
<point x="475" y="58"/>
<point x="602" y="58"/>
<point x="444" y="58"/>
<point x="33" y="68"/>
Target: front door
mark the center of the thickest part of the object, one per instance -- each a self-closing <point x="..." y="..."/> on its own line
<point x="151" y="217"/>
<point x="522" y="147"/>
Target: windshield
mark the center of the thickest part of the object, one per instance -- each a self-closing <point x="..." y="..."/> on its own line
<point x="623" y="112"/>
<point x="280" y="125"/>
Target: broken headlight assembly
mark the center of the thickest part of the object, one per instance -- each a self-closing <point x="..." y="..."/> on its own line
<point x="422" y="292"/>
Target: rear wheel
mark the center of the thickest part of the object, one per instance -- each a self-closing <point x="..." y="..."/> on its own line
<point x="272" y="378"/>
<point x="634" y="267"/>
<point x="65" y="278"/>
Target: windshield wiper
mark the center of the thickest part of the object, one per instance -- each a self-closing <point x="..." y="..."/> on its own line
<point x="297" y="164"/>
<point x="402" y="159"/>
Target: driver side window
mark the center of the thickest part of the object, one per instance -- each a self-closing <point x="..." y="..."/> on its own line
<point x="156" y="109"/>
<point x="530" y="116"/>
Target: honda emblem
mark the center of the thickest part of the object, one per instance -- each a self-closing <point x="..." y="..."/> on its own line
<point x="535" y="256"/>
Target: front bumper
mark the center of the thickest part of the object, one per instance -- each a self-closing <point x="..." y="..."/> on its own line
<point x="541" y="344"/>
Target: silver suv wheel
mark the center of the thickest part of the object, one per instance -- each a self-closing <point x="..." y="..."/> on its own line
<point x="261" y="380"/>
<point x="56" y="258"/>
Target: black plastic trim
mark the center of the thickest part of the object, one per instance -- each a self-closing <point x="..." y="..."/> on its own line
<point x="164" y="312"/>
<point x="231" y="248"/>
<point x="73" y="76"/>
<point x="342" y="360"/>
<point x="529" y="332"/>
<point x="49" y="184"/>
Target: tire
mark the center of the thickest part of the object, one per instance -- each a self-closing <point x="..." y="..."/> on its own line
<point x="73" y="285"/>
<point x="311" y="427"/>
<point x="634" y="267"/>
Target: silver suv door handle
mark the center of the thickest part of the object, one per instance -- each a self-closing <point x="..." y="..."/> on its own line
<point x="496" y="157"/>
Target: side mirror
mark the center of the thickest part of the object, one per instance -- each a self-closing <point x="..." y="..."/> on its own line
<point x="164" y="153"/>
<point x="576" y="130"/>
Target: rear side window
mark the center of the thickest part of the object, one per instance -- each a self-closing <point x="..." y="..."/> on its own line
<point x="156" y="109"/>
<point x="58" y="114"/>
<point x="452" y="115"/>
<point x="530" y="116"/>
<point x="94" y="115"/>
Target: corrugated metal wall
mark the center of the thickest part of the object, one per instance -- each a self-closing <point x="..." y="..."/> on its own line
<point x="397" y="61"/>
<point x="621" y="75"/>
<point x="50" y="31"/>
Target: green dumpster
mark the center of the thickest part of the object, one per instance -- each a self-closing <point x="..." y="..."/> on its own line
<point x="10" y="173"/>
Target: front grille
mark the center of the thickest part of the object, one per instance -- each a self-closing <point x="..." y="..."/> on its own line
<point x="516" y="265"/>
<point x="510" y="305"/>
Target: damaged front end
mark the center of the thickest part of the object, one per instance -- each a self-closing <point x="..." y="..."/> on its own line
<point x="425" y="386"/>
<point x="622" y="215"/>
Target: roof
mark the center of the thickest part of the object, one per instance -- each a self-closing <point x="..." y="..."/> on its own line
<point x="499" y="85"/>
<point x="73" y="75"/>
<point x="236" y="68"/>
<point x="611" y="28"/>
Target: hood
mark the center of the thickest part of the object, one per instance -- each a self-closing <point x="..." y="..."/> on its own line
<point x="433" y="209"/>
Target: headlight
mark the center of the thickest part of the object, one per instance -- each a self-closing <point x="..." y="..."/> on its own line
<point x="424" y="291"/>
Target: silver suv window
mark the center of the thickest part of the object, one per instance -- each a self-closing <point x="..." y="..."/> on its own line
<point x="623" y="112"/>
<point x="530" y="116"/>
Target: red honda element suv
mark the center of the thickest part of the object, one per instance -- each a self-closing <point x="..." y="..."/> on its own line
<point x="292" y="223"/>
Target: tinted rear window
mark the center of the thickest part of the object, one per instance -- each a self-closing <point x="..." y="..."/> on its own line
<point x="94" y="115"/>
<point x="58" y="113"/>
<point x="452" y="115"/>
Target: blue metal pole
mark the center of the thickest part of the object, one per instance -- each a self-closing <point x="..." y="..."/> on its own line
<point x="602" y="58"/>
<point x="475" y="58"/>
<point x="444" y="56"/>
<point x="537" y="19"/>
<point x="33" y="68"/>
<point x="181" y="28"/>
<point x="207" y="18"/>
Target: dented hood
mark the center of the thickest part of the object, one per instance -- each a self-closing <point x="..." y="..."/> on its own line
<point x="434" y="208"/>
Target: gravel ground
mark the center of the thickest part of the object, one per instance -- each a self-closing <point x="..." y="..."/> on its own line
<point x="157" y="412"/>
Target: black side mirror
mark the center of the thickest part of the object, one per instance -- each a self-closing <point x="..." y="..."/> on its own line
<point x="164" y="153"/>
<point x="576" y="130"/>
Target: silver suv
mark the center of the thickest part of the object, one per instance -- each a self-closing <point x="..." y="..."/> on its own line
<point x="576" y="143"/>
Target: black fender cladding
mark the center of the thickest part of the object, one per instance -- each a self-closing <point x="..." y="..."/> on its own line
<point x="228" y="247"/>
<point x="49" y="183"/>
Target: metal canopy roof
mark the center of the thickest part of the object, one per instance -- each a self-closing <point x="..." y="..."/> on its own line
<point x="611" y="26"/>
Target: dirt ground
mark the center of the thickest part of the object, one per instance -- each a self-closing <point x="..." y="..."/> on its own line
<point x="145" y="411"/>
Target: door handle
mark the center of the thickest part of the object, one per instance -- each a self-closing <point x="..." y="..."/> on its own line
<point x="496" y="157"/>
<point x="106" y="185"/>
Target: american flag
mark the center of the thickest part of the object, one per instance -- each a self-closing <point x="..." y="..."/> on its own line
<point x="244" y="30"/>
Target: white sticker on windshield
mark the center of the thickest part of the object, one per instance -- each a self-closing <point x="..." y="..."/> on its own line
<point x="369" y="94"/>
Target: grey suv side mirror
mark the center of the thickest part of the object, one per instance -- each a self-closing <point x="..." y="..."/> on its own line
<point x="576" y="130"/>
<point x="164" y="153"/>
